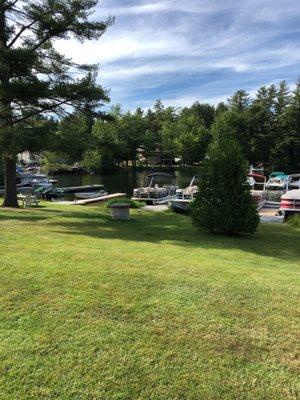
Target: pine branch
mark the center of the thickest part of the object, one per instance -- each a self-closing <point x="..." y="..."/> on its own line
<point x="13" y="41"/>
<point x="10" y="5"/>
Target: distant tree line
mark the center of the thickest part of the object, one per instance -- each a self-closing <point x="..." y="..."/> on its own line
<point x="267" y="127"/>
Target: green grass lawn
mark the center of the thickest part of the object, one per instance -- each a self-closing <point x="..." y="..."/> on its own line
<point x="146" y="309"/>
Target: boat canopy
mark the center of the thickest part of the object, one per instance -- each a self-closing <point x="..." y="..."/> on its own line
<point x="277" y="174"/>
<point x="257" y="177"/>
<point x="162" y="174"/>
<point x="280" y="178"/>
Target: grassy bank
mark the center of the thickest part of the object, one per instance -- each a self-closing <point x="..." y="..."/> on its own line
<point x="145" y="309"/>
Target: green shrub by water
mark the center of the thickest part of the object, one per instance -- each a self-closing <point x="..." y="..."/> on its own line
<point x="294" y="221"/>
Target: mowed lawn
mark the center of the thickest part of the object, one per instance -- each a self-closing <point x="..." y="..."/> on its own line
<point x="92" y="308"/>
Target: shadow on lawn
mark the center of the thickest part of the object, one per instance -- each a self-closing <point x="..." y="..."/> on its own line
<point x="18" y="216"/>
<point x="271" y="240"/>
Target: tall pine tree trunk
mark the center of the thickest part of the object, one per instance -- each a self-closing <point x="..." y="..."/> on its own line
<point x="10" y="199"/>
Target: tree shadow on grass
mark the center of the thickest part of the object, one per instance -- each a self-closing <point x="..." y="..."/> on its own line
<point x="271" y="240"/>
<point x="21" y="216"/>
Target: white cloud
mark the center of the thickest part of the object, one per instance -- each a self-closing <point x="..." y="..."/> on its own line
<point x="155" y="45"/>
<point x="184" y="6"/>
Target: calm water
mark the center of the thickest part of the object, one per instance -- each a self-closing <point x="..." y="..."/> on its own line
<point x="125" y="182"/>
<point x="122" y="182"/>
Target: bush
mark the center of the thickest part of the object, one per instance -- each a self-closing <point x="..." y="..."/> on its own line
<point x="122" y="200"/>
<point x="92" y="160"/>
<point x="224" y="204"/>
<point x="294" y="221"/>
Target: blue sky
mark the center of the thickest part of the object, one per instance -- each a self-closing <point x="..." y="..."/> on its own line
<point x="182" y="51"/>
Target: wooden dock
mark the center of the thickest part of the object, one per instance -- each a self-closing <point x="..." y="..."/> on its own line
<point x="85" y="202"/>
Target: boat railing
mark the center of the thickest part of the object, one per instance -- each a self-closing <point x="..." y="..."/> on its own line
<point x="290" y="179"/>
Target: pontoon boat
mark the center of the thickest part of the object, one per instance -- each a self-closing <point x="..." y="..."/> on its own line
<point x="155" y="192"/>
<point x="290" y="202"/>
<point x="294" y="181"/>
<point x="258" y="189"/>
<point x="184" y="197"/>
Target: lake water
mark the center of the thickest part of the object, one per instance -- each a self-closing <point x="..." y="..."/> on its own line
<point x="121" y="181"/>
<point x="126" y="181"/>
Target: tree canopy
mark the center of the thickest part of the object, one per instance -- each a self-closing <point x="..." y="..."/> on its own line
<point x="265" y="126"/>
<point x="36" y="79"/>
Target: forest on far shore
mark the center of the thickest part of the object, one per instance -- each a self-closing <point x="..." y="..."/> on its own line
<point x="266" y="126"/>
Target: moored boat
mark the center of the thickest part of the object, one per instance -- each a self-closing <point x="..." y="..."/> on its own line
<point x="30" y="183"/>
<point x="59" y="193"/>
<point x="155" y="192"/>
<point x="184" y="197"/>
<point x="258" y="189"/>
<point x="90" y="195"/>
<point x="294" y="181"/>
<point x="290" y="202"/>
<point x="259" y="170"/>
<point x="277" y="181"/>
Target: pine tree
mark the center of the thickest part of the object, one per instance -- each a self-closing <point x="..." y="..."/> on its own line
<point x="261" y="124"/>
<point x="224" y="204"/>
<point x="239" y="101"/>
<point x="35" y="78"/>
<point x="286" y="151"/>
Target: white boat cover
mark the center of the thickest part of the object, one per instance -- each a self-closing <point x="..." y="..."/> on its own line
<point x="291" y="195"/>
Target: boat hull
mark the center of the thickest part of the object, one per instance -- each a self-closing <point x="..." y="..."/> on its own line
<point x="90" y="195"/>
<point x="151" y="201"/>
<point x="276" y="187"/>
<point x="180" y="206"/>
<point x="58" y="193"/>
<point x="290" y="202"/>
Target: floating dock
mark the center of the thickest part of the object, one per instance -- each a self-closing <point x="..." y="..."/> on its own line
<point x="269" y="213"/>
<point x="85" y="202"/>
<point x="99" y="199"/>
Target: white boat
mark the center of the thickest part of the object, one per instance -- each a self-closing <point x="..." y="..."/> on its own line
<point x="277" y="181"/>
<point x="155" y="192"/>
<point x="33" y="180"/>
<point x="184" y="197"/>
<point x="256" y="170"/>
<point x="290" y="202"/>
<point x="90" y="195"/>
<point x="294" y="181"/>
<point x="258" y="189"/>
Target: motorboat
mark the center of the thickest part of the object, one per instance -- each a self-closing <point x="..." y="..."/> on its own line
<point x="184" y="197"/>
<point x="277" y="181"/>
<point x="60" y="193"/>
<point x="156" y="192"/>
<point x="259" y="170"/>
<point x="258" y="189"/>
<point x="34" y="180"/>
<point x="290" y="202"/>
<point x="90" y="195"/>
<point x="30" y="182"/>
